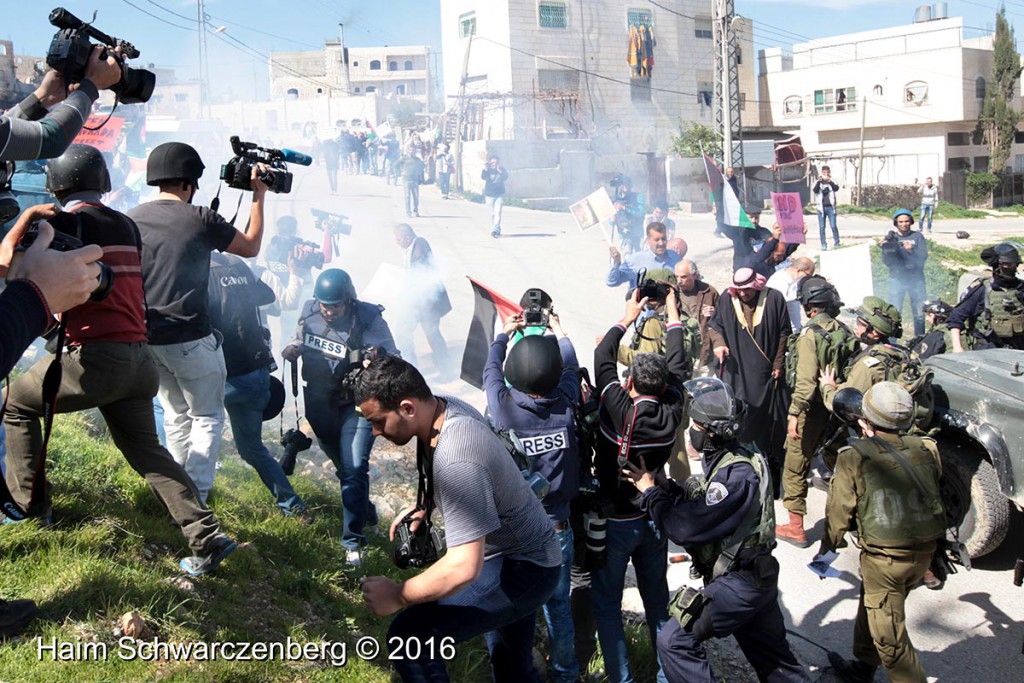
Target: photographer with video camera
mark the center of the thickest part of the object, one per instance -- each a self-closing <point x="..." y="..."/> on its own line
<point x="502" y="560"/>
<point x="177" y="240"/>
<point x="905" y="252"/>
<point x="538" y="408"/>
<point x="336" y="336"/>
<point x="106" y="365"/>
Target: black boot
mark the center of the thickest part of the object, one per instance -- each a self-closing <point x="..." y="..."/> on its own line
<point x="15" y="615"/>
<point x="851" y="670"/>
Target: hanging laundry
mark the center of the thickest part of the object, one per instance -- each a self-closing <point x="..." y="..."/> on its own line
<point x="649" y="44"/>
<point x="633" y="56"/>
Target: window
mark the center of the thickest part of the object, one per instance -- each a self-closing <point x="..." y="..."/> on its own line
<point x="392" y="66"/>
<point x="705" y="93"/>
<point x="319" y="91"/>
<point x="793" y="106"/>
<point x="915" y="93"/>
<point x="357" y="88"/>
<point x="981" y="164"/>
<point x="371" y="88"/>
<point x="958" y="164"/>
<point x="467" y="24"/>
<point x="1018" y="138"/>
<point x="1018" y="163"/>
<point x="375" y="65"/>
<point x="958" y="139"/>
<point x="553" y="15"/>
<point x="877" y="90"/>
<point x="702" y="28"/>
<point x="355" y="63"/>
<point x="558" y="80"/>
<point x="635" y="17"/>
<point x="640" y="89"/>
<point x="832" y="100"/>
<point x="978" y="137"/>
<point x="400" y="89"/>
<point x="979" y="88"/>
<point x="180" y="97"/>
<point x="293" y="93"/>
<point x="408" y="65"/>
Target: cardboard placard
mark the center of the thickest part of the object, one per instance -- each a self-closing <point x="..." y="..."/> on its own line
<point x="789" y="214"/>
<point x="593" y="209"/>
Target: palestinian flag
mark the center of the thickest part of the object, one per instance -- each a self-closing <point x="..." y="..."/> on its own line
<point x="488" y="307"/>
<point x="725" y="197"/>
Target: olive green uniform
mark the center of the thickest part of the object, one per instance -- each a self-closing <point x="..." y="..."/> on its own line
<point x="897" y="527"/>
<point x="811" y="414"/>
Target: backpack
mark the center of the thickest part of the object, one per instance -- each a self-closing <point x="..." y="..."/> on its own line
<point x="905" y="367"/>
<point x="691" y="340"/>
<point x="836" y="349"/>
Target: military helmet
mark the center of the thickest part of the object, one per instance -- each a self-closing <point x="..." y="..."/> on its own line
<point x="173" y="161"/>
<point x="80" y="167"/>
<point x="334" y="286"/>
<point x="902" y="212"/>
<point x="847" y="405"/>
<point x="665" y="275"/>
<point x="534" y="365"/>
<point x="881" y="315"/>
<point x="939" y="307"/>
<point x="713" y="406"/>
<point x="889" y="406"/>
<point x="1007" y="253"/>
<point x="816" y="291"/>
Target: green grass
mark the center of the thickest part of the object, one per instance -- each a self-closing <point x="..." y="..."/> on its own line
<point x="943" y="210"/>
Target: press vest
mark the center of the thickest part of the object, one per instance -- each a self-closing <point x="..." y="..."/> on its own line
<point x="330" y="353"/>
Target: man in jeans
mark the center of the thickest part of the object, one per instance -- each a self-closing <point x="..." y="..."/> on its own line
<point x="824" y="191"/>
<point x="929" y="199"/>
<point x="412" y="176"/>
<point x="638" y="423"/>
<point x="177" y="239"/>
<point x="494" y="177"/>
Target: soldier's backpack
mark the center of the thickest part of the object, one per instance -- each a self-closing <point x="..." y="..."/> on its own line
<point x="836" y="349"/>
<point x="906" y="368"/>
<point x="691" y="339"/>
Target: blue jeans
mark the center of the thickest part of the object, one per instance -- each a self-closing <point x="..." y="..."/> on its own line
<point x="158" y="417"/>
<point x="495" y="204"/>
<point x="640" y="540"/>
<point x="561" y="633"/>
<point x="412" y="197"/>
<point x="830" y="212"/>
<point x="927" y="211"/>
<point x="244" y="398"/>
<point x="900" y="288"/>
<point x="501" y="603"/>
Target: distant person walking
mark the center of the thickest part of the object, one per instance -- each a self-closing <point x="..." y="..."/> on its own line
<point x="445" y="164"/>
<point x="929" y="200"/>
<point x="412" y="175"/>
<point x="824" y="191"/>
<point x="494" y="177"/>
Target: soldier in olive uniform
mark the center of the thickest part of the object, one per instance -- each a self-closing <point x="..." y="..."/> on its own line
<point x="824" y="341"/>
<point x="886" y="486"/>
<point x="938" y="339"/>
<point x="992" y="309"/>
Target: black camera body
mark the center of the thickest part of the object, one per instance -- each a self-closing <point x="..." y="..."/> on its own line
<point x="656" y="292"/>
<point x="535" y="315"/>
<point x="65" y="241"/>
<point x="70" y="50"/>
<point x="416" y="549"/>
<point x="890" y="241"/>
<point x="294" y="442"/>
<point x="309" y="254"/>
<point x="237" y="173"/>
<point x="334" y="223"/>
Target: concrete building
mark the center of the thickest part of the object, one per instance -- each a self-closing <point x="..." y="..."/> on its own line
<point x="173" y="96"/>
<point x="917" y="89"/>
<point x="554" y="69"/>
<point x="400" y="73"/>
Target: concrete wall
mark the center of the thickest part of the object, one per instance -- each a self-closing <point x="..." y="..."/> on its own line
<point x="687" y="182"/>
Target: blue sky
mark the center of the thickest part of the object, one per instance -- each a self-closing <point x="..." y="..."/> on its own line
<point x="304" y="24"/>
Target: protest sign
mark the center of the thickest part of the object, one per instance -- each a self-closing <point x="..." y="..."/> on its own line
<point x="789" y="214"/>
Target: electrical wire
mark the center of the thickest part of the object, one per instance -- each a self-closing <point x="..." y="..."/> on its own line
<point x="170" y="11"/>
<point x="159" y="18"/>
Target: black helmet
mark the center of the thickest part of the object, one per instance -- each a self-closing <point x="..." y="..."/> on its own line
<point x="713" y="407"/>
<point x="174" y="161"/>
<point x="848" y="405"/>
<point x="939" y="307"/>
<point x="534" y="365"/>
<point x="816" y="291"/>
<point x="80" y="167"/>
<point x="1006" y="252"/>
<point x="334" y="286"/>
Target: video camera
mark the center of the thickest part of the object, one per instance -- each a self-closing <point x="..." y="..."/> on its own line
<point x="534" y="314"/>
<point x="419" y="548"/>
<point x="656" y="292"/>
<point x="237" y="173"/>
<point x="334" y="223"/>
<point x="70" y="50"/>
<point x="306" y="254"/>
<point x="65" y="241"/>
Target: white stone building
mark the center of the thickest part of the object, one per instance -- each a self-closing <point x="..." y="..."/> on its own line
<point x="555" y="69"/>
<point x="918" y="89"/>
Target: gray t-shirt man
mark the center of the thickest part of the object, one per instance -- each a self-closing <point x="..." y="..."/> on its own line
<point x="480" y="492"/>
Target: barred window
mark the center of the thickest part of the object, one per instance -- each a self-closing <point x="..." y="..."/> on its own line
<point x="635" y="17"/>
<point x="557" y="80"/>
<point x="553" y="15"/>
<point x="702" y="28"/>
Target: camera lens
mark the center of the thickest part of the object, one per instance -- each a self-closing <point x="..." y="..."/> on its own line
<point x="136" y="85"/>
<point x="106" y="283"/>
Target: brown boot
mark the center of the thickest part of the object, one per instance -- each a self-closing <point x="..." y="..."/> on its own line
<point x="793" y="532"/>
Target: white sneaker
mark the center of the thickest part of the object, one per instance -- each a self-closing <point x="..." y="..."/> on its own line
<point x="353" y="558"/>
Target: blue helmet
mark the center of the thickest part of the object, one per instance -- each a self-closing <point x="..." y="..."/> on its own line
<point x="902" y="212"/>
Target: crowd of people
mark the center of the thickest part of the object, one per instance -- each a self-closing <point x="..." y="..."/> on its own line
<point x="547" y="499"/>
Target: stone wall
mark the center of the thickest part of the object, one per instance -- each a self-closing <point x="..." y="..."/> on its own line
<point x="888" y="196"/>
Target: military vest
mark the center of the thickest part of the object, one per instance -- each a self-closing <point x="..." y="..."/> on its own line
<point x="904" y="367"/>
<point x="762" y="531"/>
<point x="835" y="349"/>
<point x="894" y="512"/>
<point x="1003" y="316"/>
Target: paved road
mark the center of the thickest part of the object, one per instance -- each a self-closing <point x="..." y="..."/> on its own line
<point x="971" y="629"/>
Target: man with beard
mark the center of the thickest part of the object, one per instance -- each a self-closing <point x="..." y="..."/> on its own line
<point x="748" y="334"/>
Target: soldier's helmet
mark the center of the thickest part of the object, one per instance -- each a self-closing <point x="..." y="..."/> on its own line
<point x="889" y="406"/>
<point x="881" y="315"/>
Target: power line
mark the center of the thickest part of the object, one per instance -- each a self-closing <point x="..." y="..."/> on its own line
<point x="157" y="17"/>
<point x="256" y="30"/>
<point x="170" y="11"/>
<point x="228" y="40"/>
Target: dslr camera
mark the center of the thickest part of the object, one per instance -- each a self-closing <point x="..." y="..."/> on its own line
<point x="417" y="549"/>
<point x="656" y="292"/>
<point x="70" y="50"/>
<point x="294" y="442"/>
<point x="237" y="173"/>
<point x="534" y="315"/>
<point x="66" y="241"/>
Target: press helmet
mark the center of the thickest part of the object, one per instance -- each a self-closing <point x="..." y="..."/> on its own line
<point x="80" y="167"/>
<point x="881" y="315"/>
<point x="174" y="161"/>
<point x="901" y="212"/>
<point x="818" y="292"/>
<point x="713" y="407"/>
<point x="534" y="365"/>
<point x="334" y="286"/>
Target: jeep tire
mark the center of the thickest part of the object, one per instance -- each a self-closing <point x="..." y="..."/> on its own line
<point x="973" y="501"/>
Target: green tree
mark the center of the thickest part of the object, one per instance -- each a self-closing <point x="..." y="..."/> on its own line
<point x="691" y="139"/>
<point x="998" y="121"/>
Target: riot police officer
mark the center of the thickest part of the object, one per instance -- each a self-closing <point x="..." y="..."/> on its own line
<point x="886" y="486"/>
<point x="726" y="521"/>
<point x="992" y="309"/>
<point x="336" y="334"/>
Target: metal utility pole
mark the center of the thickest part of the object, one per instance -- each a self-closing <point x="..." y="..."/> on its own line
<point x="727" y="90"/>
<point x="461" y="104"/>
<point x="202" y="58"/>
<point x="860" y="160"/>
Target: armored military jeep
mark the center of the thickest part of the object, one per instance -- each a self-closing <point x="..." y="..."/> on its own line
<point x="979" y="411"/>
